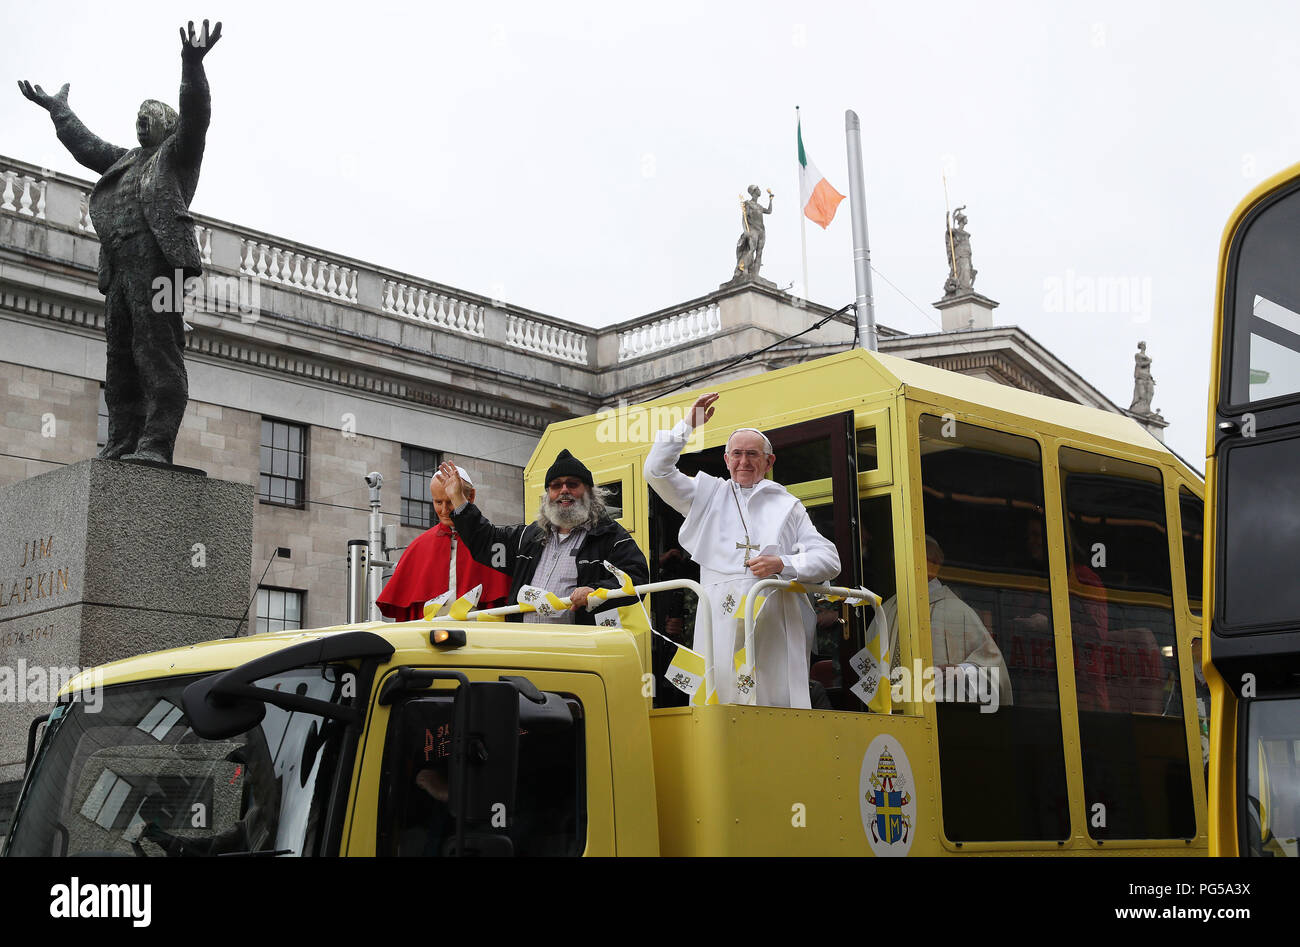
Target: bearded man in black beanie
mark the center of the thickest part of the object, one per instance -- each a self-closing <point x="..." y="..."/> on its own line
<point x="563" y="551"/>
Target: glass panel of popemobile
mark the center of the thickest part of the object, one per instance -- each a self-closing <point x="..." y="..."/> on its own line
<point x="987" y="655"/>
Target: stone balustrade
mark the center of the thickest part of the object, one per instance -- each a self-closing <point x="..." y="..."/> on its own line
<point x="667" y="332"/>
<point x="436" y="308"/>
<point x="84" y="223"/>
<point x="297" y="270"/>
<point x="22" y="194"/>
<point x="545" y="339"/>
<point x="61" y="201"/>
<point x="204" y="236"/>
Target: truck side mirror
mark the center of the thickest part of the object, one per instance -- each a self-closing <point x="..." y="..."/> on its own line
<point x="224" y="705"/>
<point x="484" y="764"/>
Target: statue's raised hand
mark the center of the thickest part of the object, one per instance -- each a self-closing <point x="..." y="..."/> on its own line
<point x="196" y="45"/>
<point x="40" y="97"/>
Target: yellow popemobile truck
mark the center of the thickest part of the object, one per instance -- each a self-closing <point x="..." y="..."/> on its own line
<point x="1067" y="536"/>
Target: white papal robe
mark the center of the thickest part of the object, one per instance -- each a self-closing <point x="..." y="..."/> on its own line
<point x="774" y="518"/>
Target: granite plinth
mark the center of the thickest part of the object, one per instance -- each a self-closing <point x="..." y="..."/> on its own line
<point x="104" y="560"/>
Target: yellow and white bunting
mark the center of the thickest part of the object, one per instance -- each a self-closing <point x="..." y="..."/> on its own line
<point x="686" y="672"/>
<point x="624" y="579"/>
<point x="461" y="608"/>
<point x="745" y="675"/>
<point x="435" y="607"/>
<point x="544" y="603"/>
<point x="871" y="665"/>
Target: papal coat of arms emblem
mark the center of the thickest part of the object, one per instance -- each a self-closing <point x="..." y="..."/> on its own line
<point x="885" y="797"/>
<point x="890" y="824"/>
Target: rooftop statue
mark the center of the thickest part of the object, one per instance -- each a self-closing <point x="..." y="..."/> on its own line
<point x="749" y="248"/>
<point x="956" y="242"/>
<point x="1144" y="386"/>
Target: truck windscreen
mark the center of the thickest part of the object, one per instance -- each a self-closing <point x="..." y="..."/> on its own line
<point x="128" y="776"/>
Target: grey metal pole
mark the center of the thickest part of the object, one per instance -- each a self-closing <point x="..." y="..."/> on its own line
<point x="358" y="570"/>
<point x="375" y="571"/>
<point x="864" y="306"/>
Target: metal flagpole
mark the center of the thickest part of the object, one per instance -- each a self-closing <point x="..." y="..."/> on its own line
<point x="803" y="223"/>
<point x="865" y="302"/>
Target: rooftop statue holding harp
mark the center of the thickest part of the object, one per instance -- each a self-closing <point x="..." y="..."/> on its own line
<point x="140" y="209"/>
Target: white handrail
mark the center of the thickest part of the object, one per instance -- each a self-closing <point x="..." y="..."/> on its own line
<point x="703" y="615"/>
<point x="862" y="594"/>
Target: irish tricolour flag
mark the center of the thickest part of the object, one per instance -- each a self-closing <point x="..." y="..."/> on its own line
<point x="819" y="199"/>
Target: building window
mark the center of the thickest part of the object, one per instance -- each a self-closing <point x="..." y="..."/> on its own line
<point x="101" y="435"/>
<point x="418" y="467"/>
<point x="613" y="497"/>
<point x="278" y="609"/>
<point x="283" y="463"/>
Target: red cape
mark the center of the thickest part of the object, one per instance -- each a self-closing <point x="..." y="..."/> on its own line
<point x="421" y="574"/>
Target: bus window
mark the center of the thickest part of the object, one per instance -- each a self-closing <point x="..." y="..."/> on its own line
<point x="1192" y="513"/>
<point x="990" y="605"/>
<point x="1264" y="348"/>
<point x="1272" y="781"/>
<point x="868" y="453"/>
<point x="1132" y="735"/>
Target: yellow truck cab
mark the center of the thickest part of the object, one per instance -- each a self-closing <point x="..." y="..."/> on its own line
<point x="1068" y="535"/>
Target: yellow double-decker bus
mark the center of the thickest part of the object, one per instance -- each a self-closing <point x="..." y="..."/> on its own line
<point x="1061" y="538"/>
<point x="1252" y="584"/>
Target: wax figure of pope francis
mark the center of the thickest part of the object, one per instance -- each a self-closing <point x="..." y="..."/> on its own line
<point x="741" y="530"/>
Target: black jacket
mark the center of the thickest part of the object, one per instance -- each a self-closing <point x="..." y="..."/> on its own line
<point x="515" y="551"/>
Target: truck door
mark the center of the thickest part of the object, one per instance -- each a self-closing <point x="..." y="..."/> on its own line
<point x="564" y="791"/>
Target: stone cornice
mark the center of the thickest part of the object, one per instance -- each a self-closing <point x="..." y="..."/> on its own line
<point x="1024" y="362"/>
<point x="209" y="344"/>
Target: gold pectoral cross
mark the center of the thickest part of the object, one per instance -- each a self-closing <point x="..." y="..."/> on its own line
<point x="746" y="545"/>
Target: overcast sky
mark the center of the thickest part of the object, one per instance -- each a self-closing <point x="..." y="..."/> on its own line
<point x="585" y="160"/>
